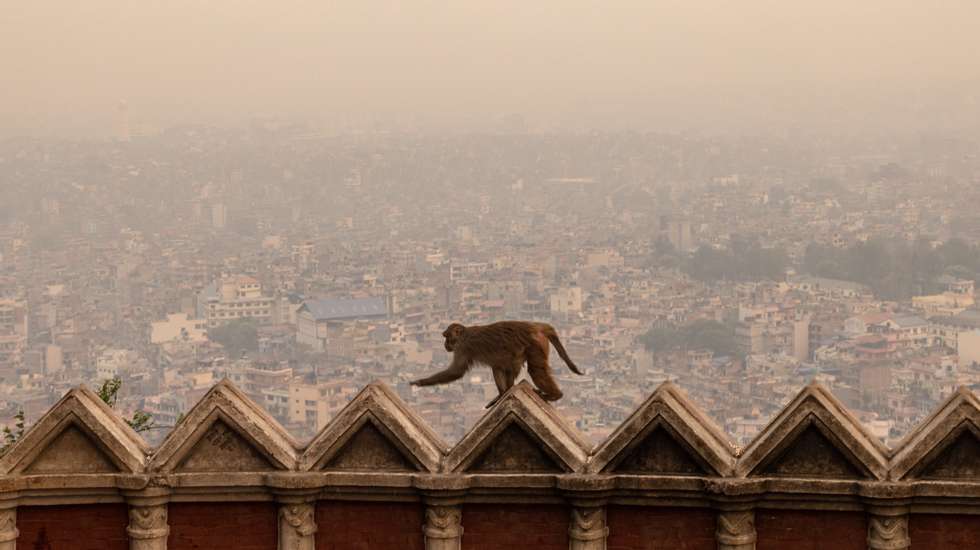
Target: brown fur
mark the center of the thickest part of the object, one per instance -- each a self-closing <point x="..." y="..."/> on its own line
<point x="504" y="347"/>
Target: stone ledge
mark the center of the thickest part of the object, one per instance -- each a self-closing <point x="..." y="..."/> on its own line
<point x="814" y="454"/>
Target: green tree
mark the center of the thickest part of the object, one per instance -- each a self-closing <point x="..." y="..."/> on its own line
<point x="12" y="436"/>
<point x="745" y="260"/>
<point x="237" y="336"/>
<point x="701" y="334"/>
<point x="109" y="393"/>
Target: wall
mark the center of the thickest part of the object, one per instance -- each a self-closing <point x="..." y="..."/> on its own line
<point x="94" y="526"/>
<point x="376" y="477"/>
<point x="504" y="527"/>
<point x="238" y="525"/>
<point x="646" y="528"/>
<point x="345" y="525"/>
<point x="810" y="530"/>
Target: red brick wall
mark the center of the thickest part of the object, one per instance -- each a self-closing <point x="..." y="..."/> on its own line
<point x="343" y="525"/>
<point x="86" y="527"/>
<point x="506" y="527"/>
<point x="653" y="528"/>
<point x="940" y="532"/>
<point x="810" y="530"/>
<point x="223" y="526"/>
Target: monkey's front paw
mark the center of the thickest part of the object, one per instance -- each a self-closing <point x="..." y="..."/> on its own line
<point x="415" y="383"/>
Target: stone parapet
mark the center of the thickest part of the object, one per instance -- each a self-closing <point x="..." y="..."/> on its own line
<point x="814" y="466"/>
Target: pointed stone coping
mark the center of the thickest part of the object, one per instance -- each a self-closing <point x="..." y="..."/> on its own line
<point x="227" y="404"/>
<point x="668" y="407"/>
<point x="379" y="405"/>
<point x="923" y="445"/>
<point x="521" y="405"/>
<point x="82" y="409"/>
<point x="815" y="407"/>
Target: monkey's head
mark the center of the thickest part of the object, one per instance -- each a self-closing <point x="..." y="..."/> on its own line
<point x="452" y="334"/>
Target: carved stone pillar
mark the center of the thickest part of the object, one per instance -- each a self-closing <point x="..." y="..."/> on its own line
<point x="297" y="525"/>
<point x="735" y="529"/>
<point x="588" y="530"/>
<point x="443" y="497"/>
<point x="888" y="528"/>
<point x="148" y="528"/>
<point x="8" y="528"/>
<point x="443" y="526"/>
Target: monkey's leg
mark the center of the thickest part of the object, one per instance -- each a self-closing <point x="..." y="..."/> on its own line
<point x="504" y="381"/>
<point x="540" y="373"/>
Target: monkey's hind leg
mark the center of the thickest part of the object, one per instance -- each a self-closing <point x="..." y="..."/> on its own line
<point x="540" y="373"/>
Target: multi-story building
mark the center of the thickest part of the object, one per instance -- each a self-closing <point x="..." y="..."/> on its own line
<point x="566" y="301"/>
<point x="311" y="406"/>
<point x="178" y="327"/>
<point x="315" y="317"/>
<point x="13" y="329"/>
<point x="234" y="298"/>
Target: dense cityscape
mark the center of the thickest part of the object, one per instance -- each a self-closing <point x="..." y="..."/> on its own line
<point x="302" y="265"/>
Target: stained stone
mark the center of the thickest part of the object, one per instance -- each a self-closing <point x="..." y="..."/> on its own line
<point x="513" y="451"/>
<point x="960" y="460"/>
<point x="659" y="453"/>
<point x="222" y="449"/>
<point x="71" y="452"/>
<point x="370" y="450"/>
<point x="811" y="454"/>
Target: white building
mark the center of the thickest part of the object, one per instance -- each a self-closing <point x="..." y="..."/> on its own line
<point x="179" y="327"/>
<point x="566" y="301"/>
<point x="234" y="298"/>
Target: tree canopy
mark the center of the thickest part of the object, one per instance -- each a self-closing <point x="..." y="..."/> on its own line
<point x="237" y="336"/>
<point x="703" y="334"/>
<point x="894" y="269"/>
<point x="743" y="260"/>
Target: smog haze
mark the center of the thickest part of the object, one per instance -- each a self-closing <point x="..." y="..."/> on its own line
<point x="706" y="66"/>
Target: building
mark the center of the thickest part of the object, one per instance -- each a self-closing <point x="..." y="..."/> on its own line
<point x="679" y="234"/>
<point x="219" y="216"/>
<point x="566" y="301"/>
<point x="314" y="317"/>
<point x="235" y="298"/>
<point x="113" y="362"/>
<point x="13" y="330"/>
<point x="968" y="348"/>
<point x="801" y="339"/>
<point x="179" y="328"/>
<point x="463" y="271"/>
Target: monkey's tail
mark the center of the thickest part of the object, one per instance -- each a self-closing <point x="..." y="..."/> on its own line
<point x="553" y="338"/>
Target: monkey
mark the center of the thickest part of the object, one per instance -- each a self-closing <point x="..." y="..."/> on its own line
<point x="504" y="347"/>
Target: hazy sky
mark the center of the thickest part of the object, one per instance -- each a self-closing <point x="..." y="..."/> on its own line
<point x="738" y="65"/>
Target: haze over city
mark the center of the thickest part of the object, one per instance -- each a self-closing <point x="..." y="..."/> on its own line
<point x="752" y="67"/>
<point x="302" y="196"/>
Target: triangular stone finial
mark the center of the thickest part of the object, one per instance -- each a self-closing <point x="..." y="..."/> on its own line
<point x="520" y="434"/>
<point x="225" y="432"/>
<point x="376" y="431"/>
<point x="944" y="446"/>
<point x="79" y="435"/>
<point x="814" y="436"/>
<point x="666" y="435"/>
